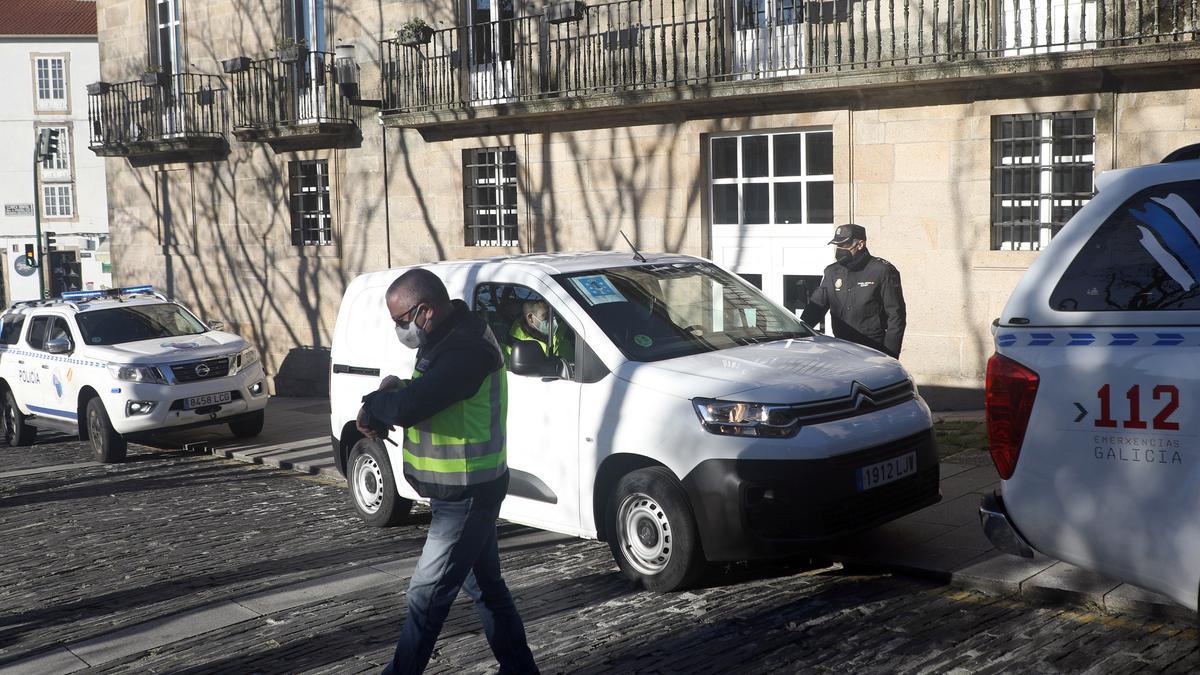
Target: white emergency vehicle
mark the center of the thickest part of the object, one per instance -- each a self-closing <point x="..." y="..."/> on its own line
<point x="107" y="365"/>
<point x="676" y="412"/>
<point x="1091" y="388"/>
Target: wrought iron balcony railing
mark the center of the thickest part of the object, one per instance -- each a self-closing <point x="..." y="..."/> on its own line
<point x="271" y="93"/>
<point x="161" y="113"/>
<point x="633" y="45"/>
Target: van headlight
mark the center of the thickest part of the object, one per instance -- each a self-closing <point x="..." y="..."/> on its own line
<point x="734" y="418"/>
<point x="245" y="358"/>
<point x="143" y="374"/>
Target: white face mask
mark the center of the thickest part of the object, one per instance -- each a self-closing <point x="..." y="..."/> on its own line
<point x="413" y="336"/>
<point x="542" y="326"/>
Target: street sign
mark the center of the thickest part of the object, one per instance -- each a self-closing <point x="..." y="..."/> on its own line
<point x="18" y="209"/>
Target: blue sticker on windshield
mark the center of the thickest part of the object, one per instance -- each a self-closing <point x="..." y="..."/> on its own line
<point x="597" y="289"/>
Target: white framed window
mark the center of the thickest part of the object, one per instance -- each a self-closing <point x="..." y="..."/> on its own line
<point x="50" y="77"/>
<point x="58" y="168"/>
<point x="783" y="178"/>
<point x="58" y="201"/>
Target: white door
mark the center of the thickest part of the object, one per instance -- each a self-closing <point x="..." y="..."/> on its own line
<point x="168" y="57"/>
<point x="768" y="40"/>
<point x="305" y="21"/>
<point x="491" y="39"/>
<point x="772" y="209"/>
<point x="543" y="412"/>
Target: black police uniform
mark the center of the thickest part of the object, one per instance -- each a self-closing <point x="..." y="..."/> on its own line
<point x="864" y="298"/>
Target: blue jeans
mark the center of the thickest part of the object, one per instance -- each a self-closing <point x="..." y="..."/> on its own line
<point x="460" y="552"/>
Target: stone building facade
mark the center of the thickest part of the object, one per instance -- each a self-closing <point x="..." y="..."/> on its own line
<point x="962" y="135"/>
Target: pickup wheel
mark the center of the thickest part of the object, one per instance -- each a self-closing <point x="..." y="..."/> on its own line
<point x="16" y="431"/>
<point x="248" y="425"/>
<point x="653" y="533"/>
<point x="107" y="445"/>
<point x="372" y="486"/>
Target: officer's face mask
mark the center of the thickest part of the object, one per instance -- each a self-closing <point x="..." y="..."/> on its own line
<point x="847" y="255"/>
<point x="409" y="333"/>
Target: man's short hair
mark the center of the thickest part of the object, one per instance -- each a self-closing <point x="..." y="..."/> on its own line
<point x="531" y="307"/>
<point x="421" y="285"/>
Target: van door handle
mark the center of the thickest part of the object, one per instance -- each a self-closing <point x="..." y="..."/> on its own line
<point x="21" y="361"/>
<point x="45" y="367"/>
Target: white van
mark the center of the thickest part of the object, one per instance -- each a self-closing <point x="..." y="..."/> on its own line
<point x="680" y="415"/>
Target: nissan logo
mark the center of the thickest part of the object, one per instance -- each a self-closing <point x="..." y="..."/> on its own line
<point x="202" y="370"/>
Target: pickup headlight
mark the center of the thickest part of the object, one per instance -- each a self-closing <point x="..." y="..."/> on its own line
<point x="733" y="418"/>
<point x="245" y="358"/>
<point x="143" y="374"/>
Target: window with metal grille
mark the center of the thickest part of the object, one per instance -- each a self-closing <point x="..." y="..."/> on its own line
<point x="51" y="82"/>
<point x="490" y="182"/>
<point x="312" y="222"/>
<point x="1042" y="170"/>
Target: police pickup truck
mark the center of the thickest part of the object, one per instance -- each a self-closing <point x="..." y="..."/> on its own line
<point x="106" y="365"/>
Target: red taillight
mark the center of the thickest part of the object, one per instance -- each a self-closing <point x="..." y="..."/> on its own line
<point x="1011" y="388"/>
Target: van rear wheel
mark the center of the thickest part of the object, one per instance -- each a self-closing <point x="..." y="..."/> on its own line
<point x="373" y="487"/>
<point x="653" y="534"/>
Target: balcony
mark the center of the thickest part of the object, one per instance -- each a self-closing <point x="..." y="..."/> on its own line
<point x="163" y="118"/>
<point x="291" y="105"/>
<point x="619" y="61"/>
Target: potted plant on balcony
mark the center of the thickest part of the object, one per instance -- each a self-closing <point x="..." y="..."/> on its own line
<point x="153" y="76"/>
<point x="414" y="32"/>
<point x="563" y="11"/>
<point x="291" y="50"/>
<point x="98" y="88"/>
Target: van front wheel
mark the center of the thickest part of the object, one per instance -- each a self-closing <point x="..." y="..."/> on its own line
<point x="372" y="486"/>
<point x="653" y="533"/>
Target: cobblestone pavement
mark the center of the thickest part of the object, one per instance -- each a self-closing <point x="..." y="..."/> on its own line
<point x="88" y="550"/>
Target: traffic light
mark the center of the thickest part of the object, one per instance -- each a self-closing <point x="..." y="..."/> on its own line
<point x="50" y="242"/>
<point x="47" y="143"/>
<point x="30" y="256"/>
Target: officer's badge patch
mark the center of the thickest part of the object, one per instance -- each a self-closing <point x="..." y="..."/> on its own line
<point x="837" y="285"/>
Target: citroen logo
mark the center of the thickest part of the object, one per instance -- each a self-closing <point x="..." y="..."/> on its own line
<point x="861" y="396"/>
<point x="202" y="370"/>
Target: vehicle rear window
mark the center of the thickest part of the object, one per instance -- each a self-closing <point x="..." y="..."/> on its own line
<point x="10" y="329"/>
<point x="1144" y="257"/>
<point x="137" y="322"/>
<point x="37" y="331"/>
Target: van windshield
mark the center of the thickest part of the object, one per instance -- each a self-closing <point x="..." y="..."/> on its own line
<point x="137" y="322"/>
<point x="655" y="312"/>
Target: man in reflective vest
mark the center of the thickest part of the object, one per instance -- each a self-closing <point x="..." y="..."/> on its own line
<point x="534" y="325"/>
<point x="453" y="411"/>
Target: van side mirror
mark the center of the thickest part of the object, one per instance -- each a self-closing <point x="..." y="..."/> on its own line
<point x="527" y="358"/>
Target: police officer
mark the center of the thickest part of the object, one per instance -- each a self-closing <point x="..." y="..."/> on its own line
<point x="862" y="293"/>
<point x="453" y="409"/>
